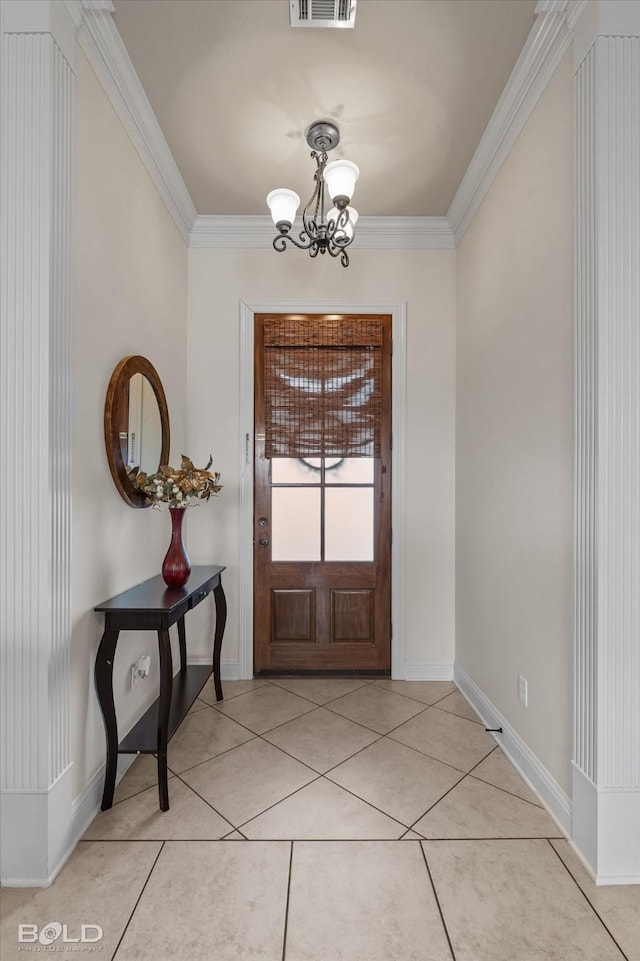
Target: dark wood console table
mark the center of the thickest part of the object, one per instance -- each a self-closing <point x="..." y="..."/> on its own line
<point x="152" y="606"/>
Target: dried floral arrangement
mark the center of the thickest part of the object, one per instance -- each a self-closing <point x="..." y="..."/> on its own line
<point x="177" y="487"/>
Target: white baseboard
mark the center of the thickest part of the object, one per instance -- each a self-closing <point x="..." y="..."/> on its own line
<point x="523" y="759"/>
<point x="606" y="830"/>
<point x="416" y="669"/>
<point x="618" y="835"/>
<point x="35" y="839"/>
<point x="584" y="829"/>
<point x="83" y="811"/>
<point x="229" y="670"/>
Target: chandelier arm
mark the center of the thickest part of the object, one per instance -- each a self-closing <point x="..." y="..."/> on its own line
<point x="338" y="223"/>
<point x="301" y="243"/>
<point x="339" y="252"/>
<point x="342" y="242"/>
<point x="336" y="233"/>
<point x="280" y="242"/>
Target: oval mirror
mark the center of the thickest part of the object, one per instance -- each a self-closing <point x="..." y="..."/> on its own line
<point x="136" y="425"/>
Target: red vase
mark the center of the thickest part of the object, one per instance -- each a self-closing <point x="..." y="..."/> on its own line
<point x="176" y="566"/>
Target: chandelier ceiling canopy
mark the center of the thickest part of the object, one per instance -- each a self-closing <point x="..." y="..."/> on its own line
<point x="323" y="231"/>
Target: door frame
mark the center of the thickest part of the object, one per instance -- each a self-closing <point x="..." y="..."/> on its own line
<point x="398" y="311"/>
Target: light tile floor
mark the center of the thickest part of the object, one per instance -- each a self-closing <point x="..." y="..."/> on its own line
<point x="318" y="778"/>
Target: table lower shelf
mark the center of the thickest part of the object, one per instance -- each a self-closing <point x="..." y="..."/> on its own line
<point x="143" y="736"/>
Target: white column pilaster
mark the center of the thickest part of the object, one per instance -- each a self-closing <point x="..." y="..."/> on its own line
<point x="606" y="783"/>
<point x="36" y="303"/>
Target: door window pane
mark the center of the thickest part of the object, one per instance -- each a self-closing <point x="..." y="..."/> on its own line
<point x="350" y="470"/>
<point x="295" y="524"/>
<point x="349" y="524"/>
<point x="294" y="470"/>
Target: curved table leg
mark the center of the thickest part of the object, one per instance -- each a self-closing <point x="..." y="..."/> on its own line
<point x="221" y="620"/>
<point x="103" y="674"/>
<point x="182" y="641"/>
<point x="164" y="710"/>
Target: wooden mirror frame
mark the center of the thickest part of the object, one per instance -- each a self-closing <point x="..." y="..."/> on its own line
<point x="116" y="402"/>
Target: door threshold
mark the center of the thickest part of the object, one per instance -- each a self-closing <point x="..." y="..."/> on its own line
<point x="338" y="673"/>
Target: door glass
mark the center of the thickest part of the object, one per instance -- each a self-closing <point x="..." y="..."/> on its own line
<point x="295" y="524"/>
<point x="349" y="470"/>
<point x="295" y="470"/>
<point x="349" y="524"/>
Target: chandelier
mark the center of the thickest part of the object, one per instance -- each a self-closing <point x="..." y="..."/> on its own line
<point x="322" y="232"/>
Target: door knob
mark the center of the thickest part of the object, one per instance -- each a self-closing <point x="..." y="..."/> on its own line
<point x="264" y="542"/>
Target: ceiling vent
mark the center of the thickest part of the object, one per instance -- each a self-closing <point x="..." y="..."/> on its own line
<point x="323" y="13"/>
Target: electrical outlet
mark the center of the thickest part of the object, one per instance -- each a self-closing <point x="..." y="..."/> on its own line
<point x="140" y="669"/>
<point x="144" y="665"/>
<point x="523" y="690"/>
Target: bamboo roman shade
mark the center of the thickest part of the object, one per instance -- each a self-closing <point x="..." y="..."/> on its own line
<point x="322" y="387"/>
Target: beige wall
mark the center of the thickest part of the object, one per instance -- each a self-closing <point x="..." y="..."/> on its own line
<point x="514" y="435"/>
<point x="514" y="416"/>
<point x="131" y="298"/>
<point x="218" y="281"/>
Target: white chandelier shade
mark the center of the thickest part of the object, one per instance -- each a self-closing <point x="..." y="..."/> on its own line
<point x="349" y="228"/>
<point x="283" y="204"/>
<point x="340" y="177"/>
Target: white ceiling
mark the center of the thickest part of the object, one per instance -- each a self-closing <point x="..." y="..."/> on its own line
<point x="412" y="87"/>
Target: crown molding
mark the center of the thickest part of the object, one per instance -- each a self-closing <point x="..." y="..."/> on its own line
<point x="373" y="233"/>
<point x="404" y="233"/>
<point x="102" y="44"/>
<point x="546" y="45"/>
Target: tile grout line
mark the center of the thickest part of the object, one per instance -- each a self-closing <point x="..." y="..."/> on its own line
<point x="123" y="841"/>
<point x="208" y="803"/>
<point x="425" y="707"/>
<point x="312" y="707"/>
<point x="459" y="781"/>
<point x="321" y="707"/>
<point x="469" y="773"/>
<point x="262" y="737"/>
<point x="585" y="896"/>
<point x="435" y="803"/>
<point x="293" y="694"/>
<point x="371" y="805"/>
<point x="510" y="838"/>
<point x="431" y="757"/>
<point x="540" y="807"/>
<point x="144" y="887"/>
<point x="306" y="698"/>
<point x="406" y="697"/>
<point x="275" y="803"/>
<point x="227" y="750"/>
<point x="342" y="787"/>
<point x="435" y="894"/>
<point x="286" y="906"/>
<point x="321" y="777"/>
<point x="321" y="773"/>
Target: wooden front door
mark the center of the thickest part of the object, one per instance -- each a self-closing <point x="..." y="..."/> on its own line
<point x="322" y="509"/>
